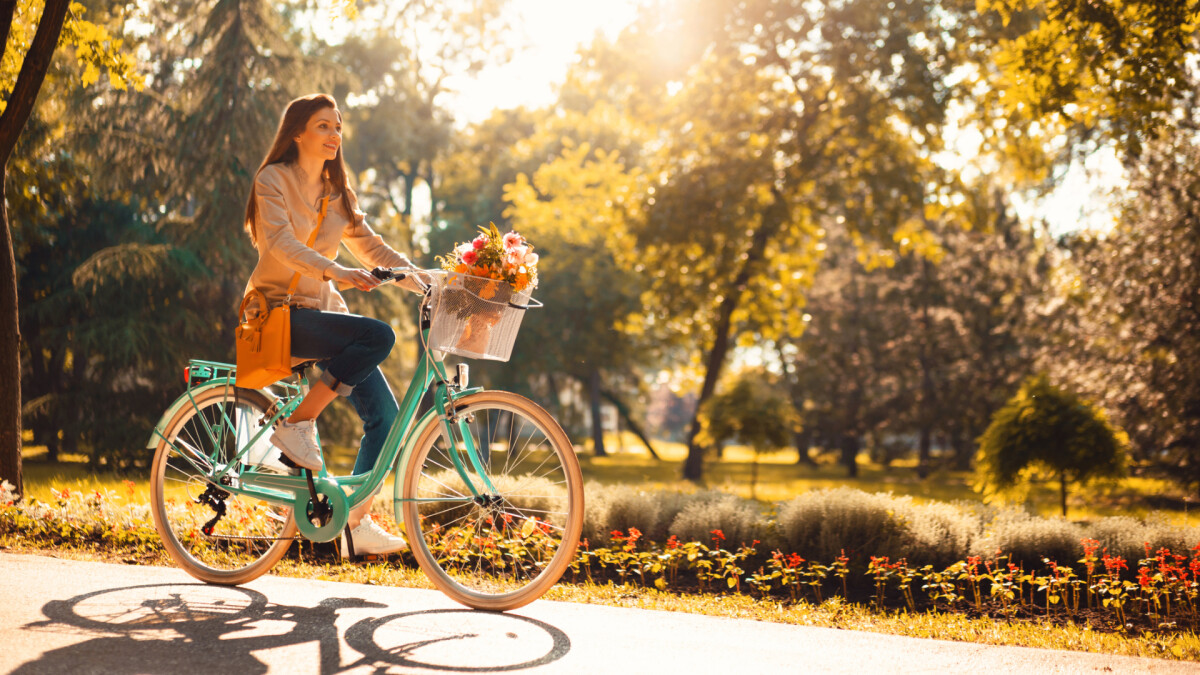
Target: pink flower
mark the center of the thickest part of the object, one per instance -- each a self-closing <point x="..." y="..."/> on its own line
<point x="513" y="239"/>
<point x="470" y="257"/>
<point x="479" y="242"/>
<point x="516" y="255"/>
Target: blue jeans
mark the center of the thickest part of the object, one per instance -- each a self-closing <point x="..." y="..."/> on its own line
<point x="348" y="350"/>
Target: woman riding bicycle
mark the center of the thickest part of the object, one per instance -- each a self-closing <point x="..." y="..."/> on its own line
<point x="302" y="177"/>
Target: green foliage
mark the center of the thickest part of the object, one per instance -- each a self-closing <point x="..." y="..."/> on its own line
<point x="1044" y="428"/>
<point x="751" y="411"/>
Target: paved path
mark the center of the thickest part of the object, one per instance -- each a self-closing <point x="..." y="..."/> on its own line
<point x="61" y="617"/>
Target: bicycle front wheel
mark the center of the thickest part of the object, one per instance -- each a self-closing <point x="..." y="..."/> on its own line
<point x="497" y="533"/>
<point x="217" y="536"/>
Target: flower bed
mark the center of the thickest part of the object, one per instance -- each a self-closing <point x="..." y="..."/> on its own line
<point x="1156" y="590"/>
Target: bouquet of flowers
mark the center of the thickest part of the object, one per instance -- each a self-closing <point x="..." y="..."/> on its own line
<point x="484" y="276"/>
<point x="507" y="258"/>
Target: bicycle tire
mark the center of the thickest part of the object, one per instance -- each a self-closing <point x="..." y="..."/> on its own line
<point x="254" y="535"/>
<point x="505" y="549"/>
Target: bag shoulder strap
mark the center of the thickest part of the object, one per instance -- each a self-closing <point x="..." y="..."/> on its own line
<point x="312" y="238"/>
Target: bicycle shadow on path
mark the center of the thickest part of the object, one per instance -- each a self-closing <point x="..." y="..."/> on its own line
<point x="171" y="628"/>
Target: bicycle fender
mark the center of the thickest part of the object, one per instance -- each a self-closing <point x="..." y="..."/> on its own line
<point x="160" y="428"/>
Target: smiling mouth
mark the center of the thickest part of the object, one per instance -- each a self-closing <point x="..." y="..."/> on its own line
<point x="331" y="147"/>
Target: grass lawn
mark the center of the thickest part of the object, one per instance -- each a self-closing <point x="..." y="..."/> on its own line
<point x="779" y="478"/>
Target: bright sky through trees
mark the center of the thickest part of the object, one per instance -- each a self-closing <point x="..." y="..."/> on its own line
<point x="552" y="30"/>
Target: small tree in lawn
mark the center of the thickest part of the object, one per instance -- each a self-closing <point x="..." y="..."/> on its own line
<point x="754" y="411"/>
<point x="1044" y="429"/>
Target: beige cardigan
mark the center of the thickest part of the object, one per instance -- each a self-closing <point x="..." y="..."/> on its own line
<point x="284" y="224"/>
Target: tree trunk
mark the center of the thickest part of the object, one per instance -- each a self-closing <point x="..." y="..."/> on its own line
<point x="1062" y="491"/>
<point x="963" y="451"/>
<point x="623" y="411"/>
<point x="923" y="447"/>
<point x="803" y="441"/>
<point x="773" y="220"/>
<point x="10" y="355"/>
<point x="597" y="422"/>
<point x="754" y="476"/>
<point x="850" y="448"/>
<point x="20" y="106"/>
<point x="928" y="404"/>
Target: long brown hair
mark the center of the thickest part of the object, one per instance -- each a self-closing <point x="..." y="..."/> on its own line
<point x="283" y="149"/>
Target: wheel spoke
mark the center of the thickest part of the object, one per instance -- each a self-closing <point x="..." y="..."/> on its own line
<point x="250" y="534"/>
<point x="510" y="544"/>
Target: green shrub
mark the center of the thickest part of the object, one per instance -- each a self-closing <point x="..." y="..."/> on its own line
<point x="939" y="533"/>
<point x="1127" y="537"/>
<point x="1029" y="538"/>
<point x="1047" y="430"/>
<point x="618" y="507"/>
<point x="738" y="519"/>
<point x="821" y="524"/>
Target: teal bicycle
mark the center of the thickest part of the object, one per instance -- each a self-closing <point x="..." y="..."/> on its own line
<point x="487" y="484"/>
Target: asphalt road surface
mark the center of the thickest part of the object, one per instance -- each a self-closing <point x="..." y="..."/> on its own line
<point x="61" y="617"/>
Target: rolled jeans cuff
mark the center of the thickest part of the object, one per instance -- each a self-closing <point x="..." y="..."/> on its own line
<point x="340" y="388"/>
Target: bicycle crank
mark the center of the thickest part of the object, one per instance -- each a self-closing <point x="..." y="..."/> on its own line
<point x="321" y="511"/>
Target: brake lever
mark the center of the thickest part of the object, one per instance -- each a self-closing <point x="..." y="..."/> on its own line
<point x="386" y="274"/>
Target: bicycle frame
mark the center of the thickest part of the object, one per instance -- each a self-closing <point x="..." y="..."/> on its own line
<point x="294" y="490"/>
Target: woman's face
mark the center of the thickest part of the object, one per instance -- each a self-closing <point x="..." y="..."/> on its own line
<point x="322" y="135"/>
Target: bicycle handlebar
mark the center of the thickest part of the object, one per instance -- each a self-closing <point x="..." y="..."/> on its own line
<point x="386" y="274"/>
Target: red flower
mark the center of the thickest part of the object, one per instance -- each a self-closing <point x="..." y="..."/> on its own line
<point x="479" y="243"/>
<point x="1114" y="563"/>
<point x="1144" y="577"/>
<point x="717" y="536"/>
<point x="631" y="541"/>
<point x="617" y="535"/>
<point x="470" y="257"/>
<point x="672" y="542"/>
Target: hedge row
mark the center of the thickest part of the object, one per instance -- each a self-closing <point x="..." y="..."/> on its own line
<point x="821" y="524"/>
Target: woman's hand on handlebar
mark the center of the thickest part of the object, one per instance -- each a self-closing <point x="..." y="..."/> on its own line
<point x="347" y="277"/>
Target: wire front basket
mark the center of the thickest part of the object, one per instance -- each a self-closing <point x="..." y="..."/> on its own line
<point x="476" y="317"/>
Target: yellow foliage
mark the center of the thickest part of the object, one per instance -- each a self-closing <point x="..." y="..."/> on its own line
<point x="96" y="49"/>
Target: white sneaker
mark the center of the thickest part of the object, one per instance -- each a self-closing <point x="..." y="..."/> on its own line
<point x="266" y="458"/>
<point x="298" y="442"/>
<point x="371" y="539"/>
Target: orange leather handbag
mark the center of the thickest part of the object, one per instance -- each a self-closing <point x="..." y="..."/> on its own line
<point x="264" y="341"/>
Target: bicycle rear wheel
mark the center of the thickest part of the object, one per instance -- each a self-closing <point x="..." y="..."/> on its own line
<point x="216" y="536"/>
<point x="503" y="547"/>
